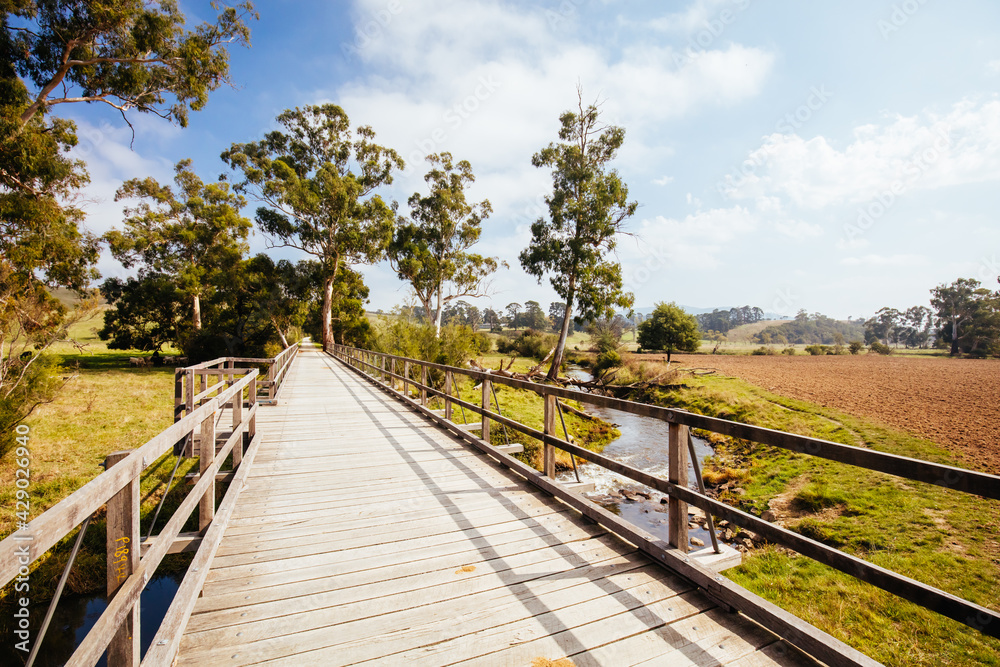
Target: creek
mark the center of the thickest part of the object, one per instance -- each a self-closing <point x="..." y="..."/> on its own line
<point x="642" y="445"/>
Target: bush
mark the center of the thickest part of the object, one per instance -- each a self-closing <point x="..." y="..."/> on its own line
<point x="790" y="351"/>
<point x="606" y="361"/>
<point x="456" y="345"/>
<point x="530" y="343"/>
<point x="856" y="346"/>
<point x="817" y="350"/>
<point x="879" y="348"/>
<point x="763" y="351"/>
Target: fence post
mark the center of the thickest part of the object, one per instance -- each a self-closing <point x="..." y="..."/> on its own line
<point x="123" y="558"/>
<point x="487" y="402"/>
<point x="677" y="516"/>
<point x="406" y="379"/>
<point x="382" y="373"/>
<point x="251" y="401"/>
<point x="178" y="393"/>
<point x="423" y="386"/>
<point x="549" y="451"/>
<point x="189" y="408"/>
<point x="271" y="389"/>
<point x="237" y="421"/>
<point x="392" y="373"/>
<point x="206" y="454"/>
<point x="448" y="381"/>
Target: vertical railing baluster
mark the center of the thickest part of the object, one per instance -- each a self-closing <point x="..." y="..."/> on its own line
<point x="548" y="450"/>
<point x="486" y="406"/>
<point x="123" y="554"/>
<point x="677" y="516"/>
<point x="423" y="386"/>
<point x="448" y="381"/>
<point x="206" y="454"/>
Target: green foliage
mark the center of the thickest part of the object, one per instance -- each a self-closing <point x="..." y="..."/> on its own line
<point x="38" y="384"/>
<point x="587" y="208"/>
<point x="670" y="329"/>
<point x="817" y="350"/>
<point x="724" y="320"/>
<point x="879" y="348"/>
<point x="763" y="351"/>
<point x="129" y="54"/>
<point x="812" y="329"/>
<point x="790" y="351"/>
<point x="530" y="343"/>
<point x="194" y="235"/>
<point x="970" y="317"/>
<point x="316" y="181"/>
<point x="455" y="345"/>
<point x="856" y="346"/>
<point x="145" y="314"/>
<point x="606" y="361"/>
<point x="430" y="250"/>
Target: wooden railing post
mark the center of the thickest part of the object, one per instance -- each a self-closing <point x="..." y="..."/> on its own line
<point x="237" y="406"/>
<point x="382" y="375"/>
<point x="188" y="409"/>
<point x="677" y="516"/>
<point x="202" y="386"/>
<point x="206" y="454"/>
<point x="252" y="424"/>
<point x="448" y="381"/>
<point x="271" y="374"/>
<point x="487" y="402"/>
<point x="123" y="558"/>
<point x="178" y="394"/>
<point x="406" y="379"/>
<point x="548" y="451"/>
<point x="392" y="373"/>
<point x="423" y="386"/>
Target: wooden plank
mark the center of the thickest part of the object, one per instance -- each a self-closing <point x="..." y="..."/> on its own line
<point x="168" y="636"/>
<point x="799" y="633"/>
<point x="677" y="509"/>
<point x="387" y="626"/>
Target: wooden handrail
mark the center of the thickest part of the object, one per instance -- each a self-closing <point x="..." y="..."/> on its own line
<point x="51" y="526"/>
<point x="980" y="618"/>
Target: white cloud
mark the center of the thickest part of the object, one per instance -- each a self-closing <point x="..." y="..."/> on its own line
<point x="874" y="260"/>
<point x="797" y="229"/>
<point x="935" y="151"/>
<point x="665" y="180"/>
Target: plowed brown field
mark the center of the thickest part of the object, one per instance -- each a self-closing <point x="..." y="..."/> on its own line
<point x="954" y="402"/>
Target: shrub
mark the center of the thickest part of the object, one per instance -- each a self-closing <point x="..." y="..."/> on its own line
<point x="879" y="348"/>
<point x="816" y="350"/>
<point x="606" y="361"/>
<point x="762" y="351"/>
<point x="856" y="346"/>
<point x="790" y="351"/>
<point x="530" y="343"/>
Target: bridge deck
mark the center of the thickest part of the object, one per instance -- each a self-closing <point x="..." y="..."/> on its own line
<point x="367" y="535"/>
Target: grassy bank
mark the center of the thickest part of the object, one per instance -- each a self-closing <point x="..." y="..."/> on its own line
<point x="946" y="539"/>
<point x="104" y="406"/>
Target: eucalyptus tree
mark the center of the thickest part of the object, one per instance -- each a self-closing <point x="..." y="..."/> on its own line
<point x="430" y="249"/>
<point x="587" y="209"/>
<point x="194" y="234"/>
<point x="317" y="180"/>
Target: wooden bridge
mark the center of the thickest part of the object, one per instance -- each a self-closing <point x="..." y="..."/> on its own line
<point x="357" y="530"/>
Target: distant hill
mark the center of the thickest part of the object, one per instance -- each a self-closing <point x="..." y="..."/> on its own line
<point x="745" y="332"/>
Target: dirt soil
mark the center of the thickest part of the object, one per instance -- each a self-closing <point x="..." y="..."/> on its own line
<point x="954" y="402"/>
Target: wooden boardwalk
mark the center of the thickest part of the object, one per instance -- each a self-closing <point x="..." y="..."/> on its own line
<point x="367" y="535"/>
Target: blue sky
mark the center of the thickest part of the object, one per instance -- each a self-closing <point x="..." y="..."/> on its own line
<point x="836" y="157"/>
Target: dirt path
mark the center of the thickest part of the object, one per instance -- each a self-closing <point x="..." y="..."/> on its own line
<point x="954" y="402"/>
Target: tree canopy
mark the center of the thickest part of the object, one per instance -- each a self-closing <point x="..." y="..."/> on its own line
<point x="430" y="249"/>
<point x="670" y="329"/>
<point x="588" y="207"/>
<point x="191" y="235"/>
<point x="317" y="182"/>
<point x="969" y="315"/>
